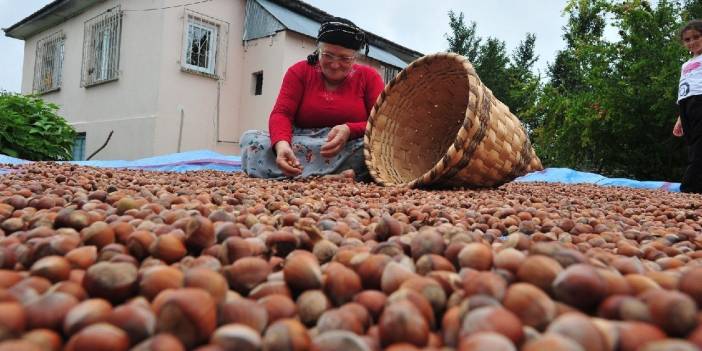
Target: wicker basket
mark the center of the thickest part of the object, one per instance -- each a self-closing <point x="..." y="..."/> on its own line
<point x="436" y="124"/>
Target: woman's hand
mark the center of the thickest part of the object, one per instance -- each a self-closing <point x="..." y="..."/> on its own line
<point x="286" y="160"/>
<point x="336" y="139"/>
<point x="678" y="130"/>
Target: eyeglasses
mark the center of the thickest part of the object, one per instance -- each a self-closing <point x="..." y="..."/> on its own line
<point x="333" y="58"/>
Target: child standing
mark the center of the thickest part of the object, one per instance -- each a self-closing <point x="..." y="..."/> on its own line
<point x="690" y="102"/>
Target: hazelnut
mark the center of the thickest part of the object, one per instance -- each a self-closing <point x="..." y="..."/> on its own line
<point x="100" y="336"/>
<point x="199" y="232"/>
<point x="486" y="341"/>
<point x="234" y="248"/>
<point x="246" y="273"/>
<point x="88" y="312"/>
<point x="270" y="287"/>
<point x="672" y="311"/>
<point x="338" y="319"/>
<point x="402" y="322"/>
<point x="45" y="339"/>
<point x="138" y="243"/>
<point x="286" y="334"/>
<point x="114" y="282"/>
<point x="334" y="340"/>
<point x="341" y="283"/>
<point x="13" y="320"/>
<point x="302" y="272"/>
<point x="533" y="307"/>
<point x="49" y="310"/>
<point x="418" y="300"/>
<point x="234" y="337"/>
<point x="278" y="307"/>
<point x="581" y="286"/>
<point x="485" y="283"/>
<point x="634" y="335"/>
<point x="539" y="270"/>
<point x="371" y="270"/>
<point x="82" y="257"/>
<point x="669" y="344"/>
<point x="135" y="318"/>
<point x="427" y="242"/>
<point x="168" y="247"/>
<point x="208" y="280"/>
<point x="160" y="342"/>
<point x="432" y="262"/>
<point x="53" y="268"/>
<point x="394" y="274"/>
<point x="190" y="322"/>
<point x="475" y="255"/>
<point x="18" y="345"/>
<point x="156" y="279"/>
<point x="581" y="329"/>
<point x="310" y="305"/>
<point x="99" y="234"/>
<point x="552" y="341"/>
<point x="431" y="290"/>
<point x="373" y="301"/>
<point x="243" y="311"/>
<point x="691" y="283"/>
<point x="9" y="278"/>
<point x="493" y="319"/>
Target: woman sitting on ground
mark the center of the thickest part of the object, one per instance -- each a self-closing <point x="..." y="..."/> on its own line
<point x="317" y="124"/>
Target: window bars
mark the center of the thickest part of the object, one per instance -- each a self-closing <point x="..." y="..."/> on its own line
<point x="200" y="45"/>
<point x="48" y="63"/>
<point x="204" y="44"/>
<point x="389" y="73"/>
<point x="101" y="43"/>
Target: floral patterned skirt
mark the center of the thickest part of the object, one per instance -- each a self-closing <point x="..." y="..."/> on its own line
<point x="258" y="157"/>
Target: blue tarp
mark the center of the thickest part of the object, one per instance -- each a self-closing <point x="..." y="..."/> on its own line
<point x="210" y="160"/>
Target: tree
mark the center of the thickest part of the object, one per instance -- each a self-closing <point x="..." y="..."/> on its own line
<point x="464" y="40"/>
<point x="491" y="66"/>
<point x="609" y="106"/>
<point x="525" y="86"/>
<point x="31" y="129"/>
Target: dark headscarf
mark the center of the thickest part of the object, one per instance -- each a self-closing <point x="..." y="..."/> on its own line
<point x="342" y="32"/>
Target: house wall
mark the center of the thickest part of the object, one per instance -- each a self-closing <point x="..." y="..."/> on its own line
<point x="209" y="107"/>
<point x="146" y="105"/>
<point x="127" y="106"/>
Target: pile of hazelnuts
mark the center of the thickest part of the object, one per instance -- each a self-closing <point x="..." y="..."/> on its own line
<point x="112" y="259"/>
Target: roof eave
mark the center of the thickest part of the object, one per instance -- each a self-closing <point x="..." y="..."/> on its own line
<point x="55" y="12"/>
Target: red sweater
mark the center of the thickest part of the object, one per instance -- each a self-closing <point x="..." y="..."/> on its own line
<point x="304" y="101"/>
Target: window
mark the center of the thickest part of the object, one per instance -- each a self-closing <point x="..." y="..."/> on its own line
<point x="390" y="73"/>
<point x="79" y="147"/>
<point x="257" y="83"/>
<point x="49" y="63"/>
<point x="101" y="43"/>
<point x="200" y="45"/>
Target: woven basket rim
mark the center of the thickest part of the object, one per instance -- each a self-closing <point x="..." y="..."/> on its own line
<point x="431" y="174"/>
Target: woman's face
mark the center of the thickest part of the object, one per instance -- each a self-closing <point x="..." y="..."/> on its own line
<point x="336" y="61"/>
<point x="692" y="40"/>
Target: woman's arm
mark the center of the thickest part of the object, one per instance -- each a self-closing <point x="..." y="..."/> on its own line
<point x="280" y="122"/>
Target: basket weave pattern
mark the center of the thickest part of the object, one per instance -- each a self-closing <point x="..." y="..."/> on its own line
<point x="436" y="124"/>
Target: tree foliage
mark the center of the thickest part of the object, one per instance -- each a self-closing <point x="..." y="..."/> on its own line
<point x="608" y="101"/>
<point x="31" y="129"/>
<point x="510" y="78"/>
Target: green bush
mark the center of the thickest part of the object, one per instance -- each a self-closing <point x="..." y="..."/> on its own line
<point x="31" y="129"/>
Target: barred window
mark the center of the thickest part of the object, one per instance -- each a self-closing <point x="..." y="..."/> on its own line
<point x="389" y="73"/>
<point x="200" y="44"/>
<point x="101" y="44"/>
<point x="49" y="63"/>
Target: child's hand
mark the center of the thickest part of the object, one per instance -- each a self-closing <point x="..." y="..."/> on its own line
<point x="678" y="130"/>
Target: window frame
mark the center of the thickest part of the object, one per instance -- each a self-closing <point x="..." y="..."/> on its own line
<point x="257" y="77"/>
<point x="200" y="22"/>
<point x="102" y="42"/>
<point x="58" y="39"/>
